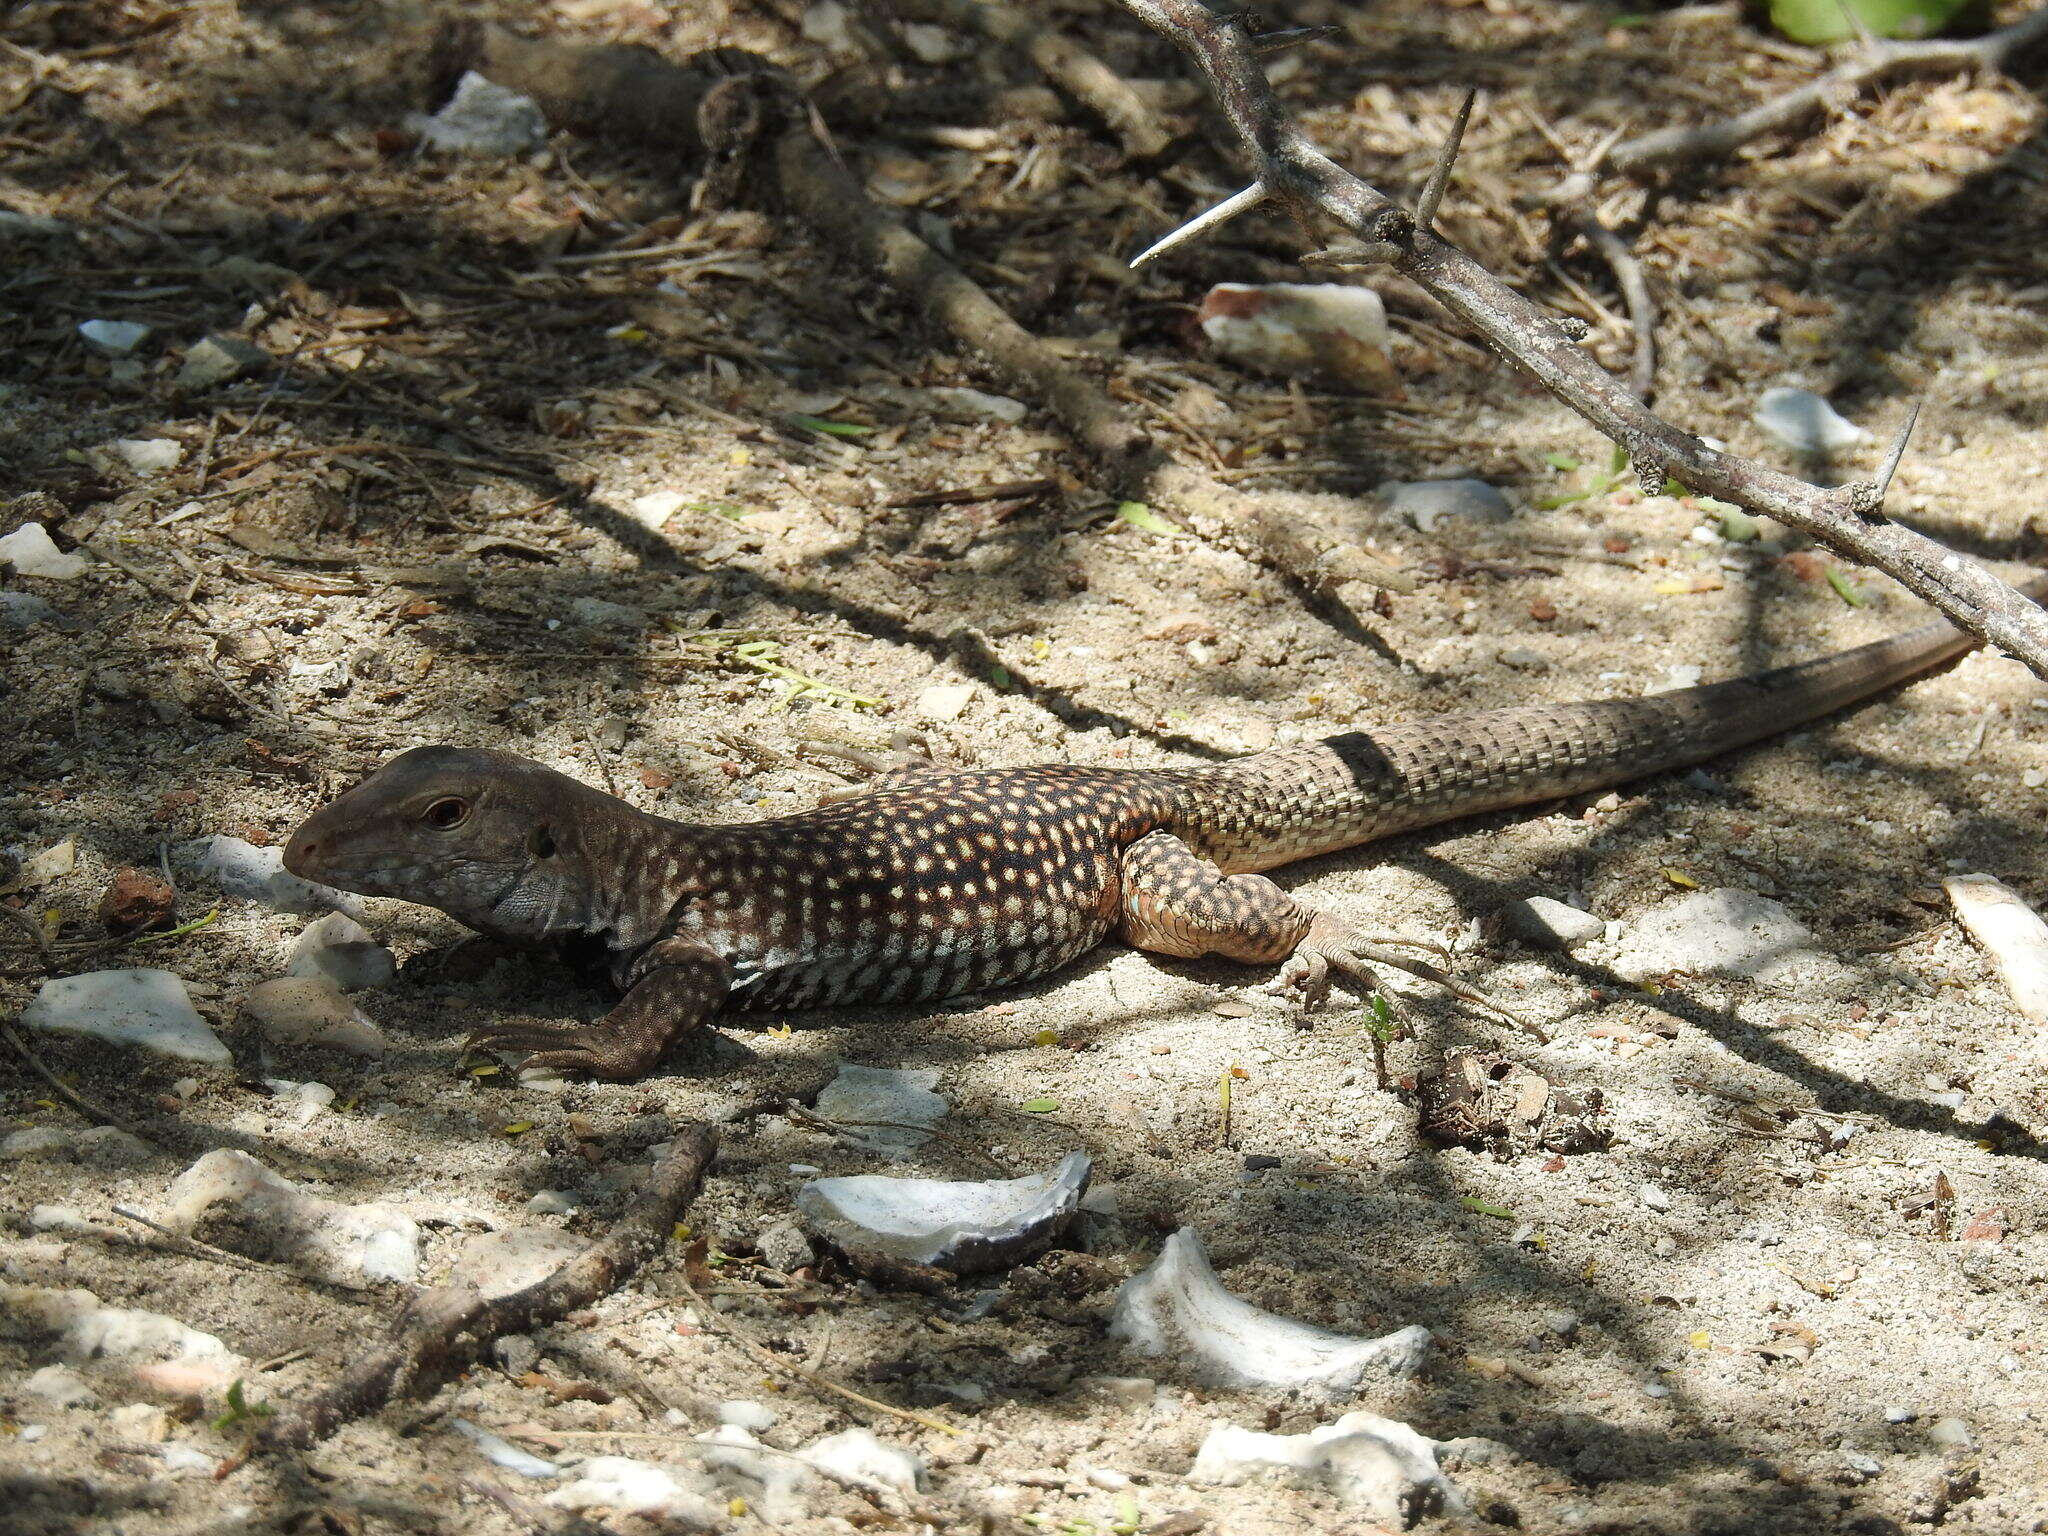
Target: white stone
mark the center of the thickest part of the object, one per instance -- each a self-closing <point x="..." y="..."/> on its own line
<point x="340" y="948"/>
<point x="483" y="118"/>
<point x="1178" y="1308"/>
<point x="1332" y="331"/>
<point x="751" y="1416"/>
<point x="977" y="403"/>
<point x="655" y="508"/>
<point x="503" y="1452"/>
<point x="219" y="359"/>
<point x="147" y="455"/>
<point x="144" y="1423"/>
<point x="857" y="1456"/>
<point x="2011" y="932"/>
<point x="58" y="1385"/>
<point x="499" y="1263"/>
<point x="351" y="1245"/>
<point x="1720" y="932"/>
<point x="114" y="338"/>
<point x="967" y="1226"/>
<point x="636" y="1487"/>
<point x="1653" y="1197"/>
<point x="945" y="701"/>
<point x="43" y="1143"/>
<point x="1550" y="924"/>
<point x="1804" y="421"/>
<point x="243" y="870"/>
<point x="32" y="552"/>
<point x="1426" y="503"/>
<point x="1380" y="1467"/>
<point x="88" y="1331"/>
<point x="148" y="1008"/>
<point x="879" y="1094"/>
<point x="310" y="1011"/>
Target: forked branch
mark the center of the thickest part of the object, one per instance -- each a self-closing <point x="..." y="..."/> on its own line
<point x="1848" y="518"/>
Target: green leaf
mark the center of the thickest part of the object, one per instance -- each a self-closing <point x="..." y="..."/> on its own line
<point x="1563" y="461"/>
<point x="1828" y="21"/>
<point x="1040" y="1106"/>
<point x="1617" y="461"/>
<point x="1479" y="1207"/>
<point x="1845" y="589"/>
<point x="1138" y="515"/>
<point x="1671" y="488"/>
<point x="1737" y="526"/>
<point x="830" y="428"/>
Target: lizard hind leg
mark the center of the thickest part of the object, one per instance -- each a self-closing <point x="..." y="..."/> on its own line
<point x="1178" y="903"/>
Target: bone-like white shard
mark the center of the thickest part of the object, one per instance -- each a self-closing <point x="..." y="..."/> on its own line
<point x="1380" y="1467"/>
<point x="340" y="948"/>
<point x="87" y="1331"/>
<point x="1804" y="421"/>
<point x="351" y="1245"/>
<point x="967" y="1226"/>
<point x="1178" y="1307"/>
<point x="504" y="1452"/>
<point x="2011" y="932"/>
<point x="148" y="1008"/>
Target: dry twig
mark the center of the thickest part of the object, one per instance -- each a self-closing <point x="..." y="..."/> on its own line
<point x="1849" y="518"/>
<point x="445" y="1328"/>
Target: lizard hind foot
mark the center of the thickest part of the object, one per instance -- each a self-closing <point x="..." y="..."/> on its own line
<point x="600" y="1052"/>
<point x="1333" y="948"/>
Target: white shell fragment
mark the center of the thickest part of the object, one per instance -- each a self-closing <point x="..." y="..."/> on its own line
<point x="1722" y="932"/>
<point x="887" y="1112"/>
<point x="1805" y="422"/>
<point x="968" y="1227"/>
<point x="503" y="1452"/>
<point x="352" y="1245"/>
<point x="113" y="337"/>
<point x="340" y="948"/>
<point x="1178" y="1307"/>
<point x="483" y="118"/>
<point x="2011" y="932"/>
<point x="32" y="552"/>
<point x="258" y="874"/>
<point x="1377" y="1466"/>
<point x="148" y="1008"/>
<point x="1328" y="331"/>
<point x="310" y="1010"/>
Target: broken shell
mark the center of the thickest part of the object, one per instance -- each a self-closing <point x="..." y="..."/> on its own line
<point x="1177" y="1306"/>
<point x="1379" y="1466"/>
<point x="966" y="1226"/>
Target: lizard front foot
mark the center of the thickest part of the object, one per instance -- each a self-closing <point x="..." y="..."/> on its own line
<point x="595" y="1049"/>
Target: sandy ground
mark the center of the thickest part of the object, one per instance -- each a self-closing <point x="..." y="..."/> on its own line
<point x="419" y="526"/>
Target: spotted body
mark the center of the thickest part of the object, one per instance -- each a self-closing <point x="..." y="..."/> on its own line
<point x="932" y="881"/>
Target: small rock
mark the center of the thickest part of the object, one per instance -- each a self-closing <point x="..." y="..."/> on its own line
<point x="1721" y="932"/>
<point x="1523" y="659"/>
<point x="58" y="1385"/>
<point x="1108" y="1479"/>
<point x="977" y="404"/>
<point x="553" y="1202"/>
<point x="219" y="360"/>
<point x="877" y="1094"/>
<point x="338" y="947"/>
<point x="1378" y="1466"/>
<point x="1550" y="924"/>
<point x="146" y="455"/>
<point x="243" y="870"/>
<point x="1332" y="332"/>
<point x="1899" y="1415"/>
<point x="858" y="1456"/>
<point x="598" y="613"/>
<point x="148" y="1008"/>
<point x="1805" y="422"/>
<point x="141" y="1423"/>
<point x="656" y="508"/>
<point x="39" y="1143"/>
<point x="136" y="900"/>
<point x="1952" y="1434"/>
<point x="483" y="118"/>
<point x="1131" y="1392"/>
<point x="1426" y="503"/>
<point x="1864" y="1466"/>
<point x="310" y="1010"/>
<point x="113" y="338"/>
<point x="32" y="552"/>
<point x="1653" y="1197"/>
<point x="754" y="1417"/>
<point x="502" y="1452"/>
<point x="107" y="1146"/>
<point x="24" y="610"/>
<point x="945" y="701"/>
<point x="351" y="1245"/>
<point x="784" y="1247"/>
<point x="499" y="1263"/>
<point x="1563" y="1322"/>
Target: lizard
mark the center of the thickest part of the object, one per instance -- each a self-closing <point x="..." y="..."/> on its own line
<point x="933" y="881"/>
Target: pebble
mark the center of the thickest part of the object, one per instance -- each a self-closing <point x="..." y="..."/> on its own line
<point x="945" y="701"/>
<point x="146" y="455"/>
<point x="860" y="1093"/>
<point x="148" y="1008"/>
<point x="784" y="1247"/>
<point x="144" y="1423"/>
<point x="113" y="338"/>
<point x="24" y="610"/>
<point x="1336" y="332"/>
<point x="1720" y="932"/>
<point x="483" y="118"/>
<point x="1952" y="1434"/>
<point x="1523" y="659"/>
<point x="1653" y="1197"/>
<point x="310" y="1010"/>
<point x="135" y="900"/>
<point x="1857" y="1462"/>
<point x="655" y="508"/>
<point x="1550" y="924"/>
<point x="504" y="1453"/>
<point x="977" y="403"/>
<point x="32" y="552"/>
<point x="1805" y="422"/>
<point x="1380" y="1467"/>
<point x="39" y="1143"/>
<point x="1897" y="1414"/>
<point x="59" y="1385"/>
<point x="243" y="870"/>
<point x="757" y="1417"/>
<point x="220" y="360"/>
<point x="553" y="1202"/>
<point x="352" y="1245"/>
<point x="340" y="948"/>
<point x="1426" y="503"/>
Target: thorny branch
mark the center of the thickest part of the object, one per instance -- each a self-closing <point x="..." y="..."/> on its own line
<point x="1849" y="518"/>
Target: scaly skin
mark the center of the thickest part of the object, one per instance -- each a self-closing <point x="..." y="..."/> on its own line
<point x="934" y="882"/>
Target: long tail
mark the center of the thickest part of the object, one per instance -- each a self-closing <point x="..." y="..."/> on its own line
<point x="1296" y="802"/>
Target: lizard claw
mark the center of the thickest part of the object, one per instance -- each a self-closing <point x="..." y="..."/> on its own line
<point x="1332" y="945"/>
<point x="578" y="1048"/>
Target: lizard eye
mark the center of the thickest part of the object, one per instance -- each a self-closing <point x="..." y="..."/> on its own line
<point x="448" y="812"/>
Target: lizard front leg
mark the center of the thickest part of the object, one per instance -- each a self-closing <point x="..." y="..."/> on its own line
<point x="1177" y="903"/>
<point x="677" y="986"/>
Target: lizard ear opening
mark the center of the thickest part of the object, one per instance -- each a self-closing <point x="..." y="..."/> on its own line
<point x="541" y="843"/>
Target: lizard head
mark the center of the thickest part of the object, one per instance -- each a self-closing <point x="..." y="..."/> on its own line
<point x="484" y="836"/>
